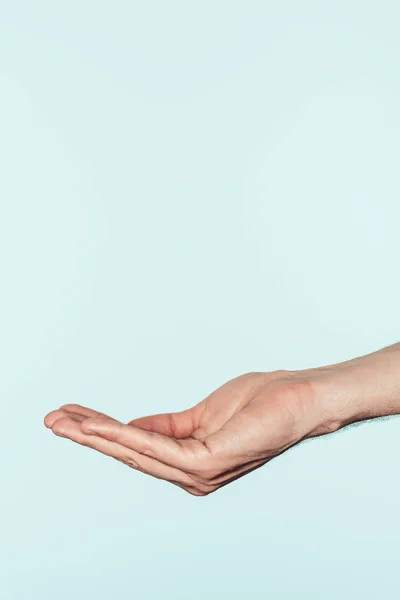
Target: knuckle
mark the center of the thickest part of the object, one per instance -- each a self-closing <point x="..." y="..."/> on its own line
<point x="147" y="450"/>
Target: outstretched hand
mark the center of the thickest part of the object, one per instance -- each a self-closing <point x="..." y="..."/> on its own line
<point x="236" y="429"/>
<point x="244" y="423"/>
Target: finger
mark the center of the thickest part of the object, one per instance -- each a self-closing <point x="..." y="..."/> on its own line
<point x="82" y="410"/>
<point x="75" y="410"/>
<point x="178" y="425"/>
<point x="54" y="415"/>
<point x="69" y="428"/>
<point x="184" y="454"/>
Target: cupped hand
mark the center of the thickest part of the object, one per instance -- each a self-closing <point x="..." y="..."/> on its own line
<point x="236" y="429"/>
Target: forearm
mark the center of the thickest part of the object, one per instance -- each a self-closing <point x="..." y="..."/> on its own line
<point x="363" y="388"/>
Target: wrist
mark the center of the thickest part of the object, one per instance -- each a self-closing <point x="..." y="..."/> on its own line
<point x="356" y="390"/>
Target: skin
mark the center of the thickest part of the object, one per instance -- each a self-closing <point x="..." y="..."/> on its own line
<point x="243" y="424"/>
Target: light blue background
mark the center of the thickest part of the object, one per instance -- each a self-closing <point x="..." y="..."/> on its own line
<point x="190" y="191"/>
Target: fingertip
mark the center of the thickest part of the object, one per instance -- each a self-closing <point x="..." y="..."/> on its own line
<point x="50" y="418"/>
<point x="59" y="426"/>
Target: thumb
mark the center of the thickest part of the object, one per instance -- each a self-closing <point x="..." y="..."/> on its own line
<point x="178" y="425"/>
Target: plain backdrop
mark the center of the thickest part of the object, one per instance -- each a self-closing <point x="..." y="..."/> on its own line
<point x="190" y="191"/>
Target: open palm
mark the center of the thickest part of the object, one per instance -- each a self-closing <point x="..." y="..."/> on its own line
<point x="236" y="429"/>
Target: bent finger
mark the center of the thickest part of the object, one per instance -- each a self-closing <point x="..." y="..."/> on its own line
<point x="184" y="454"/>
<point x="70" y="428"/>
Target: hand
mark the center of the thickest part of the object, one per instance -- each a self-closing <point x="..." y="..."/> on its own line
<point x="243" y="424"/>
<point x="238" y="428"/>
